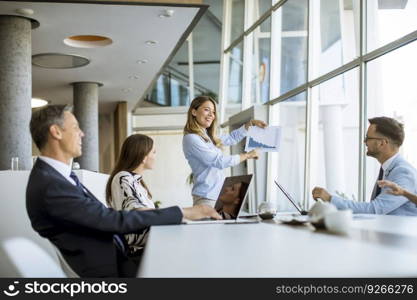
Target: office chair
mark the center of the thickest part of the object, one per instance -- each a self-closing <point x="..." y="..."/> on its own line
<point x="69" y="272"/>
<point x="29" y="259"/>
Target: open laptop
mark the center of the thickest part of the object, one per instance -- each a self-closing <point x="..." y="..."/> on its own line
<point x="230" y="201"/>
<point x="288" y="196"/>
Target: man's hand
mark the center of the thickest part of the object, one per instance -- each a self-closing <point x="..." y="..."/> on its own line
<point x="199" y="212"/>
<point x="321" y="193"/>
<point x="395" y="188"/>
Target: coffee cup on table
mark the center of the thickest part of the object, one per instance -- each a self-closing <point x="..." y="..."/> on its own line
<point x="339" y="221"/>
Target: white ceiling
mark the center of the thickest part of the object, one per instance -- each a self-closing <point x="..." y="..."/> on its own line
<point x="129" y="26"/>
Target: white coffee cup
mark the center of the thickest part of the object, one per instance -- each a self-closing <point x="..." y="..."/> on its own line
<point x="339" y="221"/>
<point x="320" y="209"/>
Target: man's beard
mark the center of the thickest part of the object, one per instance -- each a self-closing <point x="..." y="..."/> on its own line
<point x="371" y="153"/>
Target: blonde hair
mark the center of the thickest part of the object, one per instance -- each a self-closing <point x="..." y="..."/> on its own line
<point x="192" y="125"/>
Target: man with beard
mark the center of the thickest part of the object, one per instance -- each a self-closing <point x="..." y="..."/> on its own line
<point x="383" y="141"/>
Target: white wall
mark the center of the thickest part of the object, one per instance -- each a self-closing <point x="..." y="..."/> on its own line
<point x="167" y="181"/>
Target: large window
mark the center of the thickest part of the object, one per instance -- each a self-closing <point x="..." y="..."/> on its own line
<point x="206" y="40"/>
<point x="389" y="20"/>
<point x="260" y="7"/>
<point x="290" y="49"/>
<point x="335" y="136"/>
<point x="335" y="34"/>
<point x="287" y="166"/>
<point x="261" y="62"/>
<point x="323" y="71"/>
<point x="238" y="18"/>
<point x="391" y="92"/>
<point x="195" y="68"/>
<point x="235" y="75"/>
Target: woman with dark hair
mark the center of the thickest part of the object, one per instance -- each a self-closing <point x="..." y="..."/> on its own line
<point x="203" y="149"/>
<point x="126" y="189"/>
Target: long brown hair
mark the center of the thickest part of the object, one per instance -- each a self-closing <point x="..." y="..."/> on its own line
<point x="192" y="125"/>
<point x="133" y="152"/>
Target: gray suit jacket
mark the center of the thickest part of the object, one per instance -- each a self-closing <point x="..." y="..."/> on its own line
<point x="400" y="172"/>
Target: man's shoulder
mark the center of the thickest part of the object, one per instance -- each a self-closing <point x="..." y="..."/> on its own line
<point x="401" y="169"/>
<point x="42" y="170"/>
<point x="401" y="164"/>
<point x="42" y="176"/>
<point x="40" y="180"/>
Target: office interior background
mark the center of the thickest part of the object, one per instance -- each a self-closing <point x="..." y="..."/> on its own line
<point x="318" y="68"/>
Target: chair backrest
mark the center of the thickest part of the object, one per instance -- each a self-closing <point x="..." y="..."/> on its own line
<point x="64" y="265"/>
<point x="29" y="259"/>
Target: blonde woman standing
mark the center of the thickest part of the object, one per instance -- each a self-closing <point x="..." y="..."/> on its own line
<point x="202" y="149"/>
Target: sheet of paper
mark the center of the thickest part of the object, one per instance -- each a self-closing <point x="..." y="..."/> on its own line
<point x="265" y="139"/>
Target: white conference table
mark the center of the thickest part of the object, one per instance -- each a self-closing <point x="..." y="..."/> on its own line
<point x="376" y="246"/>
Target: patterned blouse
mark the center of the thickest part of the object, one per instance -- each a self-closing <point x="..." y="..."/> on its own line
<point x="127" y="193"/>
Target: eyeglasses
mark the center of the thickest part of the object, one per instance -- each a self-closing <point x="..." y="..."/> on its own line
<point x="367" y="138"/>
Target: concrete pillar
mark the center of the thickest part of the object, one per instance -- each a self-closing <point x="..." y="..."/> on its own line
<point x="86" y="112"/>
<point x="15" y="91"/>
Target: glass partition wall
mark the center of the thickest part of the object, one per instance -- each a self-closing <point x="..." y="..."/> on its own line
<point x="323" y="67"/>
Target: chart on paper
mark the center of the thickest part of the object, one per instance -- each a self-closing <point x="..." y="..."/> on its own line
<point x="266" y="139"/>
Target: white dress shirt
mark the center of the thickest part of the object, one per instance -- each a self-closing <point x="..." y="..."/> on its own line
<point x="62" y="168"/>
<point x="208" y="161"/>
<point x="387" y="163"/>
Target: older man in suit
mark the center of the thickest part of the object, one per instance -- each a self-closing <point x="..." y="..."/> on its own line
<point x="61" y="209"/>
<point x="383" y="140"/>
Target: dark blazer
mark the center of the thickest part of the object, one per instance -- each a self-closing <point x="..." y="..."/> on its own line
<point x="80" y="225"/>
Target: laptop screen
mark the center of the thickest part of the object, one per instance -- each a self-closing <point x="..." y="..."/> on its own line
<point x="232" y="196"/>
<point x="288" y="196"/>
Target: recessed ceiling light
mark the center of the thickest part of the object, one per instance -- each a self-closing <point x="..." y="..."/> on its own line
<point x="38" y="102"/>
<point x="59" y="60"/>
<point x="88" y="41"/>
<point x="24" y="11"/>
<point x="151" y="42"/>
<point x="142" y="61"/>
<point x="167" y="13"/>
<point x="133" y="77"/>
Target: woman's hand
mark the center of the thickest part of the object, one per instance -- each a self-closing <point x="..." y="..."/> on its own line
<point x="258" y="123"/>
<point x="253" y="154"/>
<point x="248" y="155"/>
<point x="200" y="211"/>
<point x="395" y="188"/>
